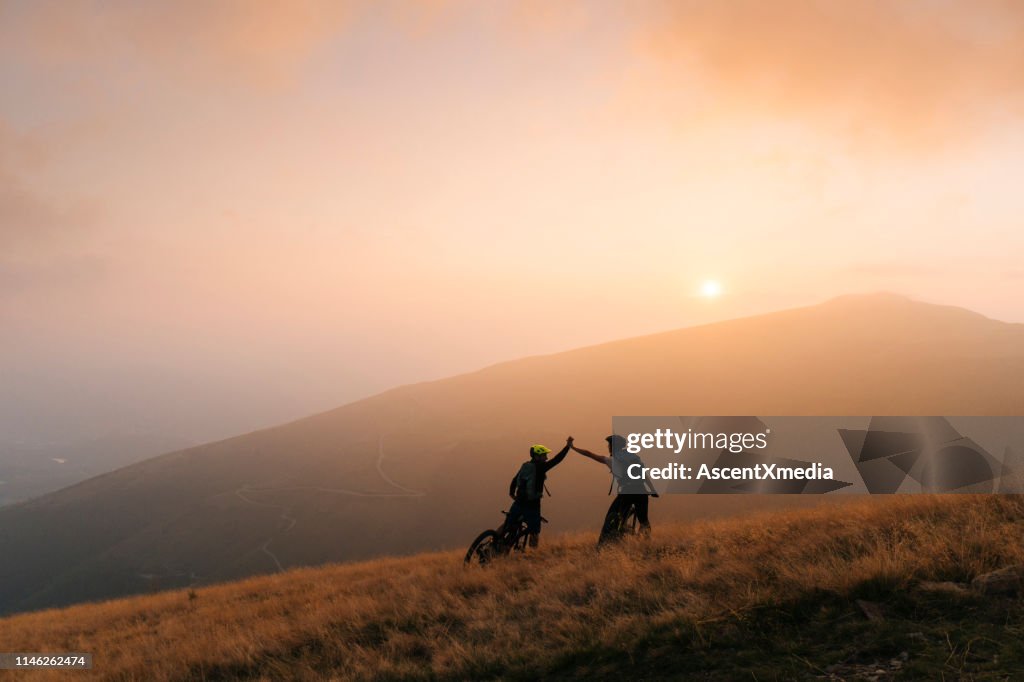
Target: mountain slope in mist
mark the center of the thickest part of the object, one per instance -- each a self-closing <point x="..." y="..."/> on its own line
<point x="426" y="466"/>
<point x="29" y="469"/>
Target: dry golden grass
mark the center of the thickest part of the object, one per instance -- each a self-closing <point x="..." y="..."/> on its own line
<point x="428" y="616"/>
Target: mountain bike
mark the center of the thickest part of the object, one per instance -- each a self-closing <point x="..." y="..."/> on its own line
<point x="623" y="524"/>
<point x="489" y="545"/>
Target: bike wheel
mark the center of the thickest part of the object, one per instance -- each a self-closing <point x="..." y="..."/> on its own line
<point x="519" y="543"/>
<point x="611" y="530"/>
<point x="628" y="525"/>
<point x="618" y="525"/>
<point x="483" y="548"/>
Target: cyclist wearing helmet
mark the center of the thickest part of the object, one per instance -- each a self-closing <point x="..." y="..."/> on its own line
<point x="527" y="488"/>
<point x="631" y="491"/>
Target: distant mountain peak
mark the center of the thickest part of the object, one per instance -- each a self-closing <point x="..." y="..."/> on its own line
<point x="899" y="304"/>
<point x="875" y="297"/>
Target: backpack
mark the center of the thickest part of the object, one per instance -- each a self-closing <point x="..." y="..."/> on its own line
<point x="526" y="482"/>
<point x="619" y="466"/>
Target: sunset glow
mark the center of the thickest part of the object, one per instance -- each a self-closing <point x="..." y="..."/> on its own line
<point x="302" y="302"/>
<point x="710" y="289"/>
<point x="276" y="197"/>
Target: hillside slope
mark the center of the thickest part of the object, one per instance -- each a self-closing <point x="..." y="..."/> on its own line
<point x="424" y="466"/>
<point x="791" y="595"/>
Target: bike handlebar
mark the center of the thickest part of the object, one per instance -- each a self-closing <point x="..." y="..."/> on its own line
<point x="542" y="519"/>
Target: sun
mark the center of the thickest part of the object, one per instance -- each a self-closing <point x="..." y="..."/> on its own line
<point x="710" y="288"/>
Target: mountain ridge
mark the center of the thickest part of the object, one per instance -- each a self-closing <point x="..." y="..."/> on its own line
<point x="322" y="488"/>
<point x="857" y="300"/>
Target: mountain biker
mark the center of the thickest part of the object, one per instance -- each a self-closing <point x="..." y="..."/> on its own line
<point x="631" y="491"/>
<point x="527" y="489"/>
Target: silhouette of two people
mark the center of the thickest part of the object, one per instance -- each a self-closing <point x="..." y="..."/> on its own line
<point x="527" y="489"/>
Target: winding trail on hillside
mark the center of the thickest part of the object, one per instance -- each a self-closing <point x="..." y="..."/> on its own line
<point x="290" y="520"/>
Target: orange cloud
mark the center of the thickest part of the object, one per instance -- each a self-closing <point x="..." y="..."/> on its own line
<point x="33" y="223"/>
<point x="259" y="41"/>
<point x="913" y="71"/>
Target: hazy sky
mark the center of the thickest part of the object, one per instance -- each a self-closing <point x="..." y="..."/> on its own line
<point x="217" y="216"/>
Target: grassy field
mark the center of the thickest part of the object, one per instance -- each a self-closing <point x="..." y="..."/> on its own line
<point x="774" y="596"/>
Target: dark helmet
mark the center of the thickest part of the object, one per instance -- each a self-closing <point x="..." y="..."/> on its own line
<point x="616" y="443"/>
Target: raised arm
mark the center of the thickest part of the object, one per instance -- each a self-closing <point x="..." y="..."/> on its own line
<point x="557" y="459"/>
<point x="603" y="459"/>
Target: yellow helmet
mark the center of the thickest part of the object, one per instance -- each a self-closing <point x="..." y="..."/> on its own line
<point x="538" y="450"/>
